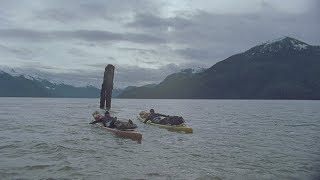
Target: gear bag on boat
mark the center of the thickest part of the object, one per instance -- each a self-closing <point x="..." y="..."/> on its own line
<point x="172" y="120"/>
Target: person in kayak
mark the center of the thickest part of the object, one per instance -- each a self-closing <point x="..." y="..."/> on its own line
<point x="154" y="117"/>
<point x="106" y="120"/>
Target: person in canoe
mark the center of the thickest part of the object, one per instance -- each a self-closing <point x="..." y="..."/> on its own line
<point x="112" y="122"/>
<point x="160" y="118"/>
<point x="154" y="117"/>
<point x="106" y="120"/>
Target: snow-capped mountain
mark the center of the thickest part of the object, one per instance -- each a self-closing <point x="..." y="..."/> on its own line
<point x="282" y="46"/>
<point x="283" y="69"/>
<point x="75" y="80"/>
<point x="20" y="86"/>
<point x="48" y="84"/>
<point x="285" y="42"/>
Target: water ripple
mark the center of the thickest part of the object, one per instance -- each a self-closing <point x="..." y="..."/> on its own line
<point x="231" y="140"/>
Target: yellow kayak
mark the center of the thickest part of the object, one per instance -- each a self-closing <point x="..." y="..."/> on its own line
<point x="181" y="128"/>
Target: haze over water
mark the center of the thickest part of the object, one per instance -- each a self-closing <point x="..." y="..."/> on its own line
<point x="44" y="138"/>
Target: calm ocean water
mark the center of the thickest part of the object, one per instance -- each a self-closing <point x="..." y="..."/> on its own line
<point x="43" y="138"/>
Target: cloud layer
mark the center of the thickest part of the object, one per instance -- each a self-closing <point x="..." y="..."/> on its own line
<point x="146" y="40"/>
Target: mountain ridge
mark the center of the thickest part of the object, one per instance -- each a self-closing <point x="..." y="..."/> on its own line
<point x="51" y="88"/>
<point x="283" y="69"/>
<point x="20" y="86"/>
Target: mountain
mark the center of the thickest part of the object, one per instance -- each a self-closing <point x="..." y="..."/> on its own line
<point x="116" y="92"/>
<point x="282" y="69"/>
<point x="20" y="86"/>
<point x="71" y="77"/>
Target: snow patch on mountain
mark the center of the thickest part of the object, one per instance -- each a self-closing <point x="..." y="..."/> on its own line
<point x="193" y="70"/>
<point x="278" y="45"/>
<point x="299" y="46"/>
<point x="27" y="73"/>
<point x="285" y="42"/>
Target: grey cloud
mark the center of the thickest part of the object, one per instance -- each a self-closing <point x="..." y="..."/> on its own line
<point x="24" y="34"/>
<point x="144" y="38"/>
<point x="36" y="67"/>
<point x="149" y="21"/>
<point x="111" y="58"/>
<point x="199" y="38"/>
<point x="134" y="75"/>
<point x="96" y="35"/>
<point x="140" y="50"/>
<point x="211" y="37"/>
<point x="78" y="52"/>
<point x="152" y="21"/>
<point x="146" y="61"/>
<point x="138" y="76"/>
<point x="98" y="65"/>
<point x="19" y="52"/>
<point x="124" y="76"/>
<point x="87" y="35"/>
<point x="198" y="53"/>
<point x="131" y="75"/>
<point x="82" y="10"/>
<point x="58" y="14"/>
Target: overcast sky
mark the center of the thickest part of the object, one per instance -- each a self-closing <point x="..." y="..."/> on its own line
<point x="145" y="39"/>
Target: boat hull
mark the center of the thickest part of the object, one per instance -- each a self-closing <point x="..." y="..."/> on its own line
<point x="129" y="134"/>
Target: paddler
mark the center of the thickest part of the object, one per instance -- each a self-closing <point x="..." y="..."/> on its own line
<point x="106" y="120"/>
<point x="154" y="117"/>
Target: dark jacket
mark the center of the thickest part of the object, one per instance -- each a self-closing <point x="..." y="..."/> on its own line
<point x="104" y="120"/>
<point x="154" y="115"/>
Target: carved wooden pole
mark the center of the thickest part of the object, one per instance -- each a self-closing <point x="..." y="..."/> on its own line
<point x="106" y="88"/>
